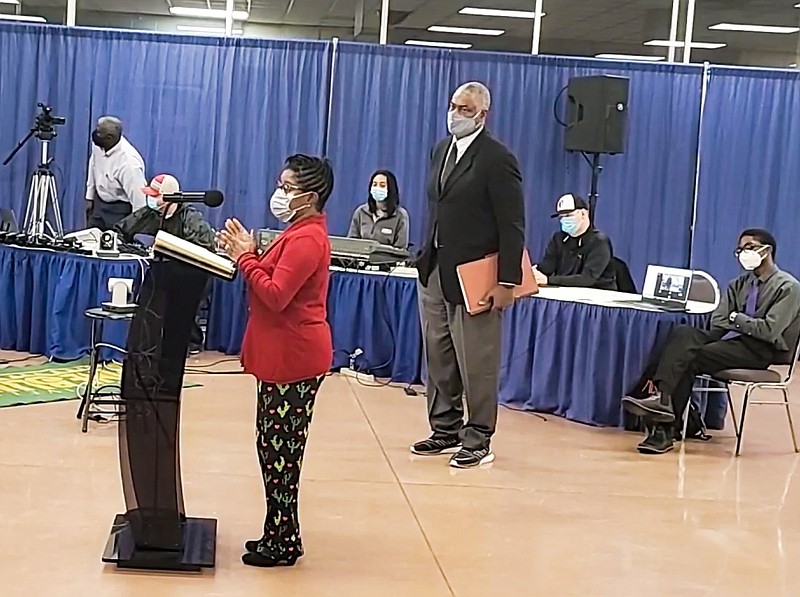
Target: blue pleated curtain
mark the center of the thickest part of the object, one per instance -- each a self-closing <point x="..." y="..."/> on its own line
<point x="389" y="109"/>
<point x="225" y="112"/>
<point x="213" y="112"/>
<point x="750" y="166"/>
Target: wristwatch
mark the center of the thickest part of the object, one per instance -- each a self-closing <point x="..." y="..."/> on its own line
<point x="732" y="317"/>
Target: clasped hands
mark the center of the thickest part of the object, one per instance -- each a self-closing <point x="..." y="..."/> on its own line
<point x="235" y="240"/>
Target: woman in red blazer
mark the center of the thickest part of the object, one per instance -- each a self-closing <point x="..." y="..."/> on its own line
<point x="287" y="343"/>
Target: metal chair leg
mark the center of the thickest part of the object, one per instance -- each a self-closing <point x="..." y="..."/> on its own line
<point x="740" y="435"/>
<point x="789" y="416"/>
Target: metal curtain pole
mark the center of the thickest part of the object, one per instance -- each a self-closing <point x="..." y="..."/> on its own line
<point x="229" y="17"/>
<point x="537" y="27"/>
<point x="696" y="197"/>
<point x="673" y="30"/>
<point x="384" y="22"/>
<point x="687" y="43"/>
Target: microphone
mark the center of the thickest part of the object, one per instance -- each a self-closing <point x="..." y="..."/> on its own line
<point x="211" y="198"/>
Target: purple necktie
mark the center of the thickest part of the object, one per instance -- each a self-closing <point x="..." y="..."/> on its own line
<point x="749" y="308"/>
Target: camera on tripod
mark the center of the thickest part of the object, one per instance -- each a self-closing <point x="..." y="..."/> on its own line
<point x="43" y="213"/>
<point x="45" y="123"/>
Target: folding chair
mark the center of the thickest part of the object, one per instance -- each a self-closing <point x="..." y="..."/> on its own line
<point x="757" y="379"/>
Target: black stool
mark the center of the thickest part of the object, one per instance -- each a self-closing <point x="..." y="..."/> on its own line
<point x="91" y="398"/>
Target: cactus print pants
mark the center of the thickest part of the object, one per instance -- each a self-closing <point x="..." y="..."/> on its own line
<point x="283" y="415"/>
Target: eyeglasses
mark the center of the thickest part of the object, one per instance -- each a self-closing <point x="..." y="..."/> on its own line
<point x="748" y="247"/>
<point x="286" y="187"/>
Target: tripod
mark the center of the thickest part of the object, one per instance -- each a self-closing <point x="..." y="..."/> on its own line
<point x="43" y="193"/>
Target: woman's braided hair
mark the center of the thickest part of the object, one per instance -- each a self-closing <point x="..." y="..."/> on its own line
<point x="314" y="175"/>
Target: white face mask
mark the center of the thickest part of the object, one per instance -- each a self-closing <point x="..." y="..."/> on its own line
<point x="751" y="258"/>
<point x="279" y="205"/>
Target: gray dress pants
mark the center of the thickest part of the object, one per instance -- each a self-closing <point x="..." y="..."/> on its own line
<point x="463" y="355"/>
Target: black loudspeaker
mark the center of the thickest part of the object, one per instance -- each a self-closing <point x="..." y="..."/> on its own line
<point x="598" y="114"/>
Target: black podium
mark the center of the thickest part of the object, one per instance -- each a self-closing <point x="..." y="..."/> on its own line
<point x="155" y="533"/>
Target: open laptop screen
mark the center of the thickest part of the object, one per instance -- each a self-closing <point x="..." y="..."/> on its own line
<point x="667" y="284"/>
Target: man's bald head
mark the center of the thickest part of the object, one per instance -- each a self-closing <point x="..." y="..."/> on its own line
<point x="108" y="132"/>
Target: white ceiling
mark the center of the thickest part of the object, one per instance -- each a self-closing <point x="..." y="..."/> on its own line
<point x="578" y="27"/>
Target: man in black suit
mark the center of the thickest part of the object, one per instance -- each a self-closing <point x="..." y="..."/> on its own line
<point x="475" y="208"/>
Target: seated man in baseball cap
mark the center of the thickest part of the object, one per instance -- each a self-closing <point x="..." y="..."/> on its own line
<point x="179" y="219"/>
<point x="578" y="254"/>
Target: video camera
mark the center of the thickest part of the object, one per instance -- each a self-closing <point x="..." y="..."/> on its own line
<point x="45" y="124"/>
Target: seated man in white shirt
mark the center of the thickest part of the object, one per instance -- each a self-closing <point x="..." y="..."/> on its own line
<point x="116" y="176"/>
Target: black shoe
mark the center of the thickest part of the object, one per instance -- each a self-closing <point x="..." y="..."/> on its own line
<point x="652" y="408"/>
<point x="252" y="547"/>
<point x="195" y="349"/>
<point x="262" y="561"/>
<point x="658" y="441"/>
<point x="471" y="458"/>
<point x="436" y="445"/>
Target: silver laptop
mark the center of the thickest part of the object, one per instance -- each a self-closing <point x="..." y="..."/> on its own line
<point x="666" y="288"/>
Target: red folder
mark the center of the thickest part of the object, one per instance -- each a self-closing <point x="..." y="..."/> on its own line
<point x="477" y="278"/>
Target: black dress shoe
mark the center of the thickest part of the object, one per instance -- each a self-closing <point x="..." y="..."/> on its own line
<point x="262" y="561"/>
<point x="659" y="441"/>
<point x="653" y="408"/>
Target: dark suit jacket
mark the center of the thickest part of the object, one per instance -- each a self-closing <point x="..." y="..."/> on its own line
<point x="479" y="211"/>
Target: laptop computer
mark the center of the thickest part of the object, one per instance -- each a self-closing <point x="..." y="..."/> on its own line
<point x="665" y="288"/>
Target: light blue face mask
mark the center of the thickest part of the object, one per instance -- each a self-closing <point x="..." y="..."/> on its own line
<point x="152" y="203"/>
<point x="379" y="194"/>
<point x="569" y="225"/>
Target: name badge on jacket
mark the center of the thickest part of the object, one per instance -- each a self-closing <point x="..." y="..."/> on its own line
<point x="386" y="231"/>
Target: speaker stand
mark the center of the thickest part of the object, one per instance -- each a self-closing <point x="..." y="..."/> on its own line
<point x="597" y="169"/>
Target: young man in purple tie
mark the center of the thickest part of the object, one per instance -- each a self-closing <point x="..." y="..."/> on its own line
<point x="748" y="329"/>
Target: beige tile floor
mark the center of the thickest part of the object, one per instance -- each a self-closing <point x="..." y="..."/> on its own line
<point x="565" y="509"/>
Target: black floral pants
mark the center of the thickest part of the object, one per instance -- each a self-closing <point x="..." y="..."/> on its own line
<point x="283" y="416"/>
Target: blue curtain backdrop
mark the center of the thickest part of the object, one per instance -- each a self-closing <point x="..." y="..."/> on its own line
<point x="225" y="112"/>
<point x="214" y="112"/>
<point x="749" y="174"/>
<point x="389" y="109"/>
<point x="645" y="195"/>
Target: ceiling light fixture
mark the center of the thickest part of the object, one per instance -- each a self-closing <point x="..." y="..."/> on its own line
<point x="207" y="13"/>
<point x="753" y="28"/>
<point x="636" y="57"/>
<point x="701" y="45"/>
<point x="26" y="18"/>
<point x="466" y="30"/>
<point x="437" y="44"/>
<point x="499" y="12"/>
<point x="206" y="30"/>
<point x="9" y="2"/>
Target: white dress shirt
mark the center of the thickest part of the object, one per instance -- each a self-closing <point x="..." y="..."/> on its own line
<point x="117" y="175"/>
<point x="462" y="145"/>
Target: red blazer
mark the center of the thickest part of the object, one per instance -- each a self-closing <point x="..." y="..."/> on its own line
<point x="287" y="338"/>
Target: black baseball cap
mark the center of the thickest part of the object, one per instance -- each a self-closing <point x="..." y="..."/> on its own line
<point x="569" y="203"/>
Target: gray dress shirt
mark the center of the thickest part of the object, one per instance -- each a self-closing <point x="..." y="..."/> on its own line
<point x="777" y="307"/>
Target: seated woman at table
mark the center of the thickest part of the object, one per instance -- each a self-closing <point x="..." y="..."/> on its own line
<point x="579" y="254"/>
<point x="381" y="218"/>
<point x="755" y="321"/>
<point x="179" y="219"/>
<point x="287" y="343"/>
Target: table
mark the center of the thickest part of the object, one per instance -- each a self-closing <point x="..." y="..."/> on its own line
<point x="43" y="297"/>
<point x="571" y="352"/>
<point x="575" y="352"/>
<point x="372" y="311"/>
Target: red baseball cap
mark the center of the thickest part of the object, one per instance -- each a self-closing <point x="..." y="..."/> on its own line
<point x="163" y="184"/>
